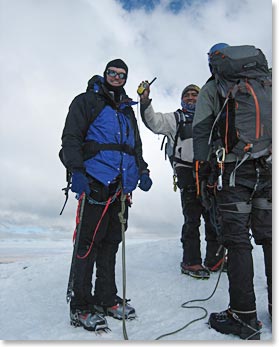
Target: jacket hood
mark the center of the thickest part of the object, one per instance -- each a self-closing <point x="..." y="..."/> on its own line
<point x="95" y="82"/>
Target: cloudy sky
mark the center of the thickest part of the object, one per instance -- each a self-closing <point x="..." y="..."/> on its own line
<point x="50" y="49"/>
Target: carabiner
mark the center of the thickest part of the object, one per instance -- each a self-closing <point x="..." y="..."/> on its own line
<point x="220" y="155"/>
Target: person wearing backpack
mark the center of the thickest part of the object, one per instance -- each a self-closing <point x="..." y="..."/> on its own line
<point x="102" y="149"/>
<point x="233" y="124"/>
<point x="177" y="127"/>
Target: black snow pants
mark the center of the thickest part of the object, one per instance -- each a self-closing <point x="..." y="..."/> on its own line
<point x="99" y="249"/>
<point x="193" y="211"/>
<point x="246" y="208"/>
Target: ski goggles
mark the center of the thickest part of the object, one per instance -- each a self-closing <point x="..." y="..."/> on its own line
<point x="113" y="73"/>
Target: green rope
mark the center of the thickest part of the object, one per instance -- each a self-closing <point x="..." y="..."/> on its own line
<point x="184" y="305"/>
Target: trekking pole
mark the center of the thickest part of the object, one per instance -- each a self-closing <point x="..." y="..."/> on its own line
<point x="123" y="222"/>
<point x="80" y="210"/>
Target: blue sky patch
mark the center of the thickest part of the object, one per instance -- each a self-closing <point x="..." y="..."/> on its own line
<point x="174" y="6"/>
<point x="130" y="5"/>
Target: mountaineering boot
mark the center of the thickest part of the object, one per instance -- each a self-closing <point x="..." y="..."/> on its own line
<point x="216" y="266"/>
<point x="89" y="321"/>
<point x="195" y="271"/>
<point x="228" y="322"/>
<point x="116" y="311"/>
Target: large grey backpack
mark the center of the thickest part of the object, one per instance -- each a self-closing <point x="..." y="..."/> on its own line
<point x="244" y="84"/>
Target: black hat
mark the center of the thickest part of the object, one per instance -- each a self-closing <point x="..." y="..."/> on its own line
<point x="117" y="63"/>
<point x="117" y="90"/>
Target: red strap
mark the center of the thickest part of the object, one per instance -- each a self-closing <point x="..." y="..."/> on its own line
<point x="97" y="227"/>
<point x="217" y="264"/>
<point x="227" y="129"/>
<point x="257" y="106"/>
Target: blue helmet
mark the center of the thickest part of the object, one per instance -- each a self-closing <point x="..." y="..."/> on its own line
<point x="215" y="48"/>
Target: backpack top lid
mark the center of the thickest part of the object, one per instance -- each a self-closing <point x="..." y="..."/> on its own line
<point x="234" y="62"/>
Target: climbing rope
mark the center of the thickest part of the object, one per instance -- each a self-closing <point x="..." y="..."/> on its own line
<point x="185" y="305"/>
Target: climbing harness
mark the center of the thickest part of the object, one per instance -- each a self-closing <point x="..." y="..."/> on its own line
<point x="106" y="204"/>
<point x="255" y="186"/>
<point x="109" y="201"/>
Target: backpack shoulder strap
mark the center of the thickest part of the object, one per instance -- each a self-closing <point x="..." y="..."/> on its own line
<point x="223" y="103"/>
<point x="177" y="116"/>
<point x="96" y="105"/>
<point x="179" y="122"/>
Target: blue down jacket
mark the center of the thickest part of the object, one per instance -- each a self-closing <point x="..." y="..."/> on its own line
<point x="115" y="125"/>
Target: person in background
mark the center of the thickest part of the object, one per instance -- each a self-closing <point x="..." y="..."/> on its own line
<point x="104" y="156"/>
<point x="177" y="127"/>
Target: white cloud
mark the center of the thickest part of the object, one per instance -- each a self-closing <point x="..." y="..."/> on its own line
<point x="50" y="49"/>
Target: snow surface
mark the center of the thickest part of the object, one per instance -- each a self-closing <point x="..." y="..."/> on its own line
<point x="33" y="279"/>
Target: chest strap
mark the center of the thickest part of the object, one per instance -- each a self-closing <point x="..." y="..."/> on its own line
<point x="91" y="148"/>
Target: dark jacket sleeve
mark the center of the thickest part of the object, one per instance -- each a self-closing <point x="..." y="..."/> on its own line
<point x="75" y="130"/>
<point x="206" y="111"/>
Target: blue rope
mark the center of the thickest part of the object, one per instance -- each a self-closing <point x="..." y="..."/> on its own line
<point x="95" y="202"/>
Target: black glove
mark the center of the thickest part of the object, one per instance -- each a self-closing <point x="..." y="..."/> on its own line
<point x="205" y="183"/>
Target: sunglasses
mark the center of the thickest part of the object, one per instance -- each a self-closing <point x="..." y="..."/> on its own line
<point x="113" y="73"/>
